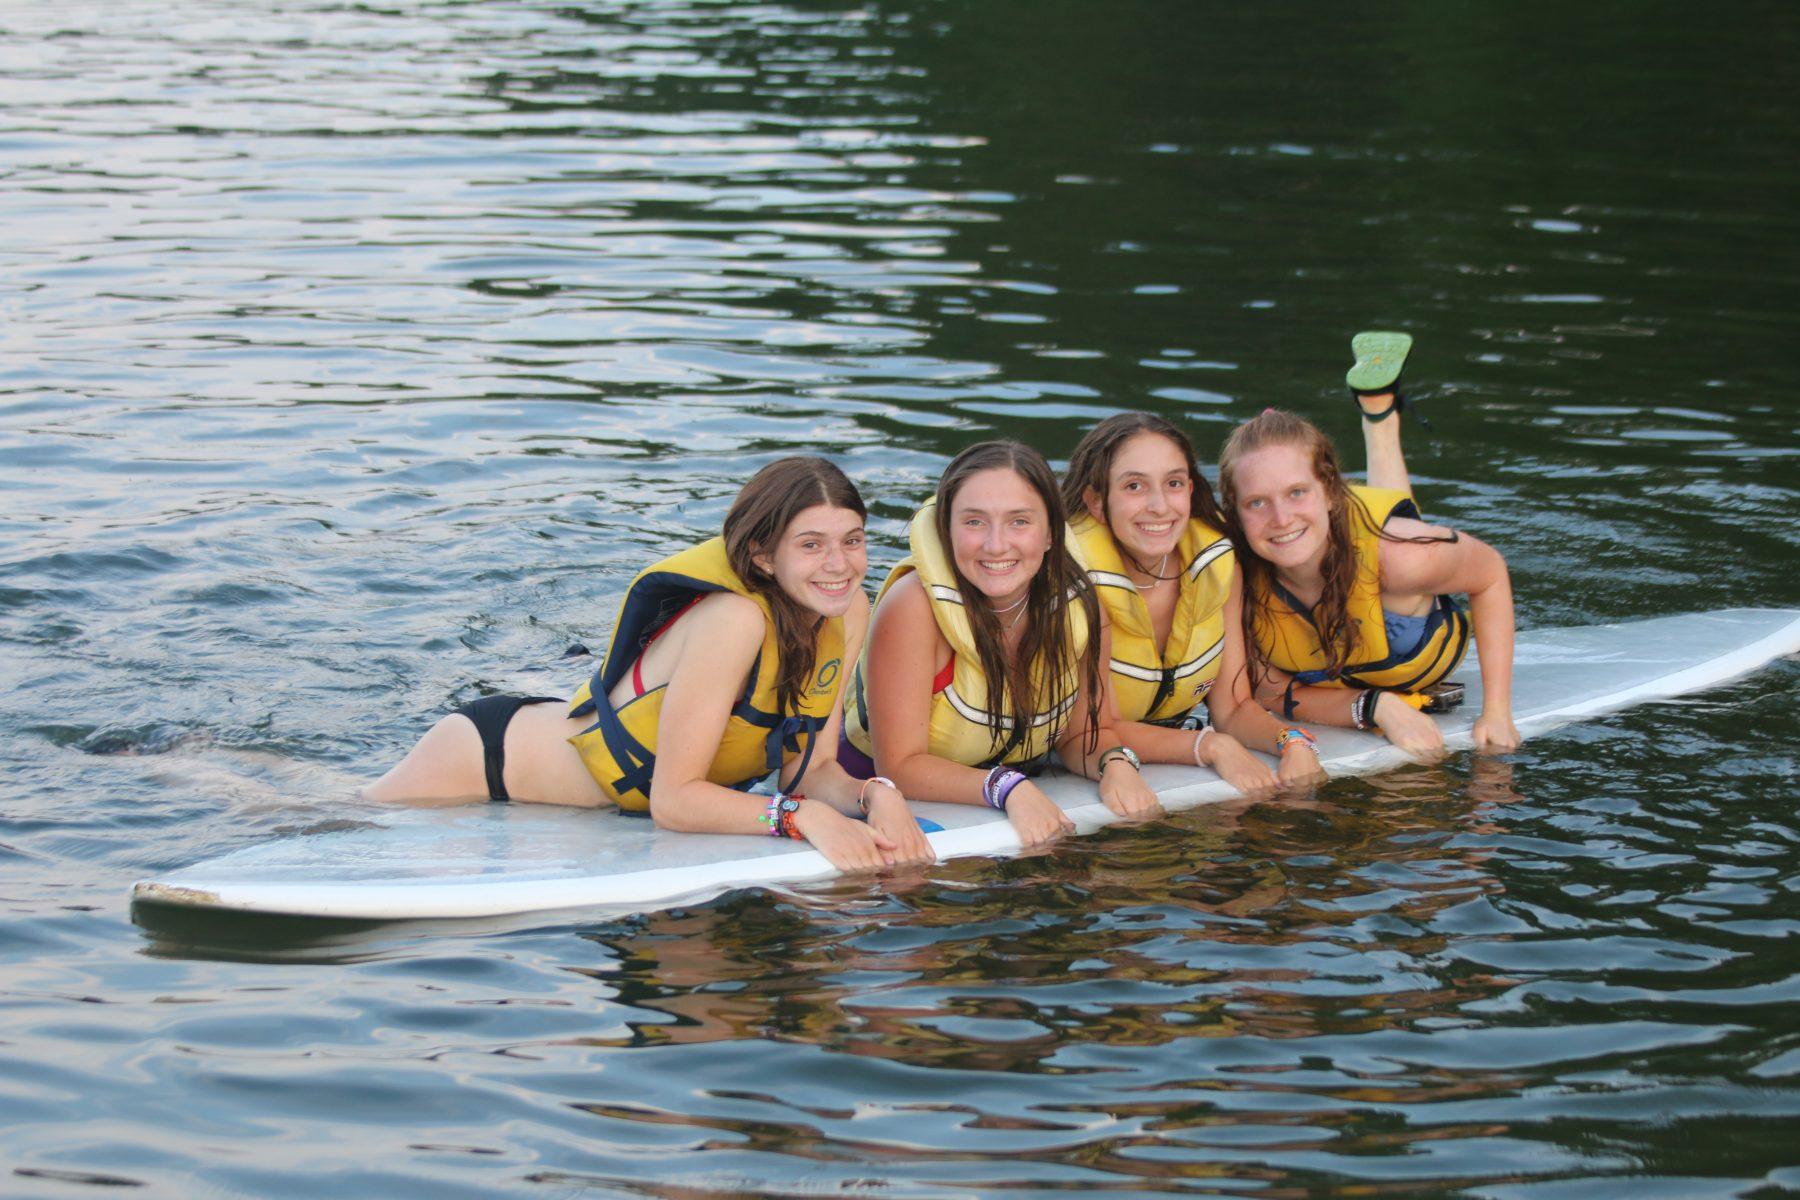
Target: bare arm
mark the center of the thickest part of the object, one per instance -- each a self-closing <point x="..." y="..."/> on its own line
<point x="1473" y="567"/>
<point x="1212" y="748"/>
<point x="718" y="644"/>
<point x="1237" y="715"/>
<point x="906" y="649"/>
<point x="827" y="781"/>
<point x="1122" y="788"/>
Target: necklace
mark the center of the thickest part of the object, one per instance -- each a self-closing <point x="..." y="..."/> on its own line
<point x="1001" y="612"/>
<point x="1156" y="576"/>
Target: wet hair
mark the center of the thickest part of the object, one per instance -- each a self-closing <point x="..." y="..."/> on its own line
<point x="1331" y="615"/>
<point x="1091" y="467"/>
<point x="758" y="520"/>
<point x="1058" y="583"/>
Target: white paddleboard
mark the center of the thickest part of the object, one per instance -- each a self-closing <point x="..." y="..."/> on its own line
<point x="497" y="859"/>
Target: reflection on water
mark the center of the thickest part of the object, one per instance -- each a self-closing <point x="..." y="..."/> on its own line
<point x="355" y="358"/>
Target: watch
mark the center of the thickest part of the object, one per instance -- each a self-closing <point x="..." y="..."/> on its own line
<point x="1124" y="752"/>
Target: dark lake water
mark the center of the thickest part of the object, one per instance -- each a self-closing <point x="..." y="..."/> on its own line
<point x="355" y="355"/>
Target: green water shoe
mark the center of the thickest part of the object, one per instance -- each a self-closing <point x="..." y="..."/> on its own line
<point x="1380" y="357"/>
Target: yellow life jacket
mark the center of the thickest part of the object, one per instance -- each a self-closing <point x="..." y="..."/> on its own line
<point x="1161" y="686"/>
<point x="959" y="729"/>
<point x="1287" y="637"/>
<point x="619" y="748"/>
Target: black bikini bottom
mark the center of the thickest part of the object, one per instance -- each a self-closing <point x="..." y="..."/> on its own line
<point x="491" y="715"/>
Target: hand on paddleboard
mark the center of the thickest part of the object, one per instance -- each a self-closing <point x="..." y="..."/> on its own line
<point x="1035" y="817"/>
<point x="1300" y="767"/>
<point x="1408" y="728"/>
<point x="1123" y="790"/>
<point x="1495" y="733"/>
<point x="849" y="845"/>
<point x="1237" y="766"/>
<point x="890" y="817"/>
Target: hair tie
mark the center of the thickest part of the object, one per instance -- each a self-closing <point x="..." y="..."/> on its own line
<point x="1267" y="411"/>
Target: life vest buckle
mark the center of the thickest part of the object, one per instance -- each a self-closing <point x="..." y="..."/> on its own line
<point x="1442" y="696"/>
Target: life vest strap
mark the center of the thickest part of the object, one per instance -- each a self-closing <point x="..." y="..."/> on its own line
<point x="1444" y="612"/>
<point x="637" y="760"/>
<point x="784" y="735"/>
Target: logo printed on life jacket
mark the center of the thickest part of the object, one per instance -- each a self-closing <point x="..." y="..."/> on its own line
<point x="827" y="676"/>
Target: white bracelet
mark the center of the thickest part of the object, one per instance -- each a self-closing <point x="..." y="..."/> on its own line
<point x="863" y="791"/>
<point x="1198" y="738"/>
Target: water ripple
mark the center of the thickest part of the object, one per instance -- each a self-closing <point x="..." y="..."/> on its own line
<point x="356" y="357"/>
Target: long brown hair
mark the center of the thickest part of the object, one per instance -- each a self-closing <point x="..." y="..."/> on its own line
<point x="758" y="520"/>
<point x="1331" y="615"/>
<point x="1091" y="466"/>
<point x="1059" y="582"/>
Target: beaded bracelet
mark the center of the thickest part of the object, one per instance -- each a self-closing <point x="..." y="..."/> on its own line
<point x="779" y="816"/>
<point x="1198" y="738"/>
<point x="863" y="791"/>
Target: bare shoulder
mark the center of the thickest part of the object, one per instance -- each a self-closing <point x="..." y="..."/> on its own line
<point x="729" y="616"/>
<point x="856" y="620"/>
<point x="904" y="612"/>
<point x="1408" y="527"/>
<point x="1447" y="561"/>
<point x="905" y="598"/>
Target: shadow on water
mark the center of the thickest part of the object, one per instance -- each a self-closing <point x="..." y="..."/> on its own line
<point x="172" y="931"/>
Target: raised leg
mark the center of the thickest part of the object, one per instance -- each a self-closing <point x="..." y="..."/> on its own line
<point x="1375" y="382"/>
<point x="1381" y="444"/>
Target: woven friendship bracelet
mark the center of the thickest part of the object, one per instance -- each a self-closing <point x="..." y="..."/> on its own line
<point x="1294" y="733"/>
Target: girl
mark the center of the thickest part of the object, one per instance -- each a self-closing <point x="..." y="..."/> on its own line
<point x="1152" y="540"/>
<point x="1347" y="590"/>
<point x="985" y="652"/>
<point x="725" y="665"/>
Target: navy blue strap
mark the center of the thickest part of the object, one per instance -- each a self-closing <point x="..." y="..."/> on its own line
<point x="637" y="762"/>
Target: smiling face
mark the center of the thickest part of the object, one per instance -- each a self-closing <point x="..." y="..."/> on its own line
<point x="1149" y="496"/>
<point x="999" y="533"/>
<point x="1282" y="507"/>
<point x="820" y="559"/>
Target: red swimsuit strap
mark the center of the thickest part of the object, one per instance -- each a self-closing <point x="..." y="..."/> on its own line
<point x="944" y="676"/>
<point x="637" y="677"/>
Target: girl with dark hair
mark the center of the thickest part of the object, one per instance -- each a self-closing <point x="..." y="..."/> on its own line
<point x="1348" y="591"/>
<point x="725" y="665"/>
<point x="985" y="653"/>
<point x="1153" y="542"/>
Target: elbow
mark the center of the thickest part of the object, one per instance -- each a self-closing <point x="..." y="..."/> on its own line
<point x="666" y="811"/>
<point x="1497" y="579"/>
<point x="902" y="769"/>
<point x="1221" y="706"/>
